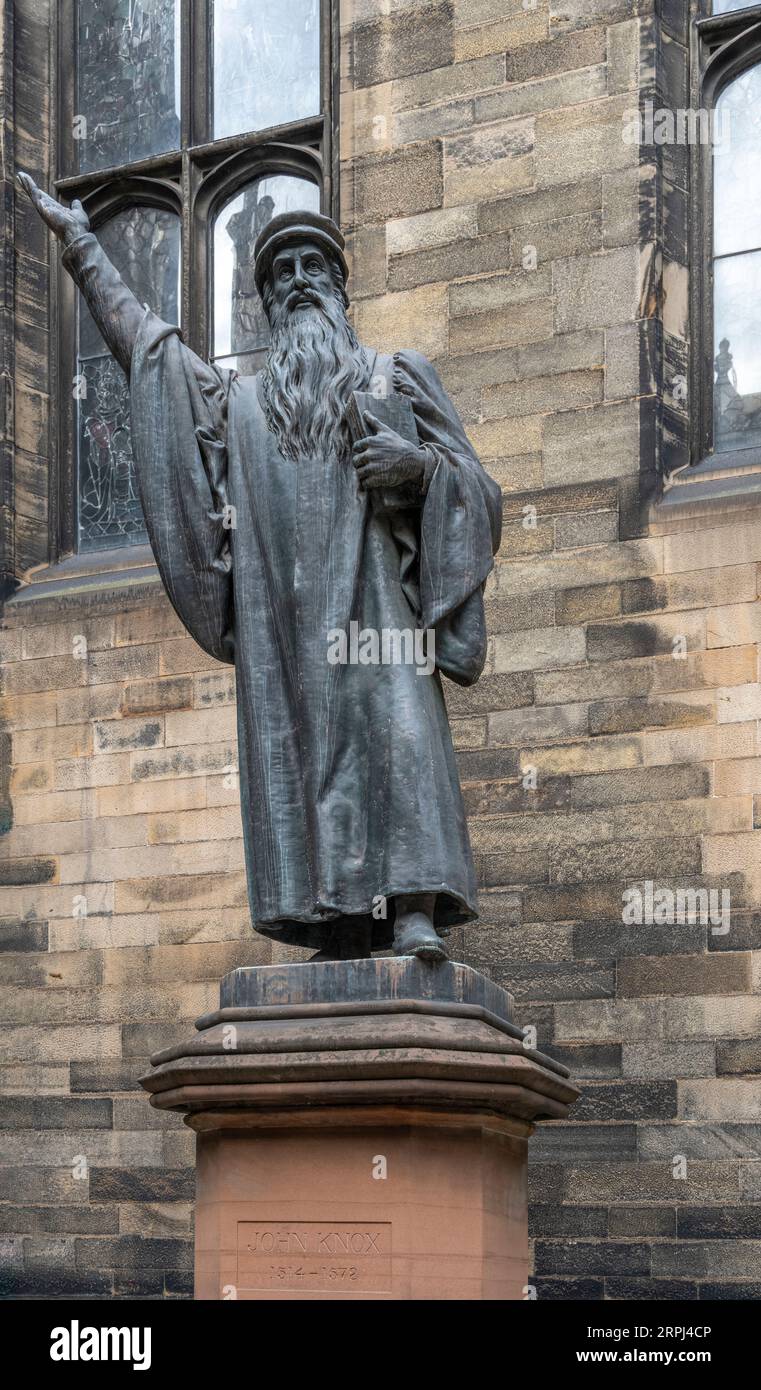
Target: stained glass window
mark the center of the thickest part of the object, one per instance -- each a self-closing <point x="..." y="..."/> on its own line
<point x="127" y="102"/>
<point x="737" y="265"/>
<point x="240" y="326"/>
<point x="144" y="245"/>
<point x="266" y="63"/>
<point x="186" y="125"/>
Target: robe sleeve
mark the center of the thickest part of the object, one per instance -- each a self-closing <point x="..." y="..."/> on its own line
<point x="179" y="442"/>
<point x="460" y="524"/>
<point x="112" y="304"/>
<point x="178" y="431"/>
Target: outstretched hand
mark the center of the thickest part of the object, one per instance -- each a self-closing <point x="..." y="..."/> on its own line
<point x="66" y="223"/>
<point x="386" y="459"/>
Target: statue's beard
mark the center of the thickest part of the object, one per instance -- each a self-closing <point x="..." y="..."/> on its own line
<point x="313" y="365"/>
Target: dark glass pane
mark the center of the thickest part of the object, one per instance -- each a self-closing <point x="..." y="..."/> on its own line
<point x="737" y="365"/>
<point x="144" y="245"/>
<point x="736" y="162"/>
<point x="240" y="325"/>
<point x="127" y="101"/>
<point x="266" y="63"/>
<point x="109" y="509"/>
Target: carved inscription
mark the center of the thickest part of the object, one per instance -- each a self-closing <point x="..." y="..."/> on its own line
<point x="314" y="1256"/>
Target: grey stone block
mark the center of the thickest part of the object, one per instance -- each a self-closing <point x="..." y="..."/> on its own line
<point x="133" y="1253"/>
<point x="551" y="980"/>
<point x="647" y="1290"/>
<point x="587" y="1061"/>
<point x="471" y="256"/>
<point x="17" y="934"/>
<point x="55" y="1112"/>
<point x="627" y="1100"/>
<point x="593" y="528"/>
<point x="719" y="1223"/>
<point x="402" y="43"/>
<point x="560" y="54"/>
<point x="738" y="1058"/>
<point x="108" y="1076"/>
<point x="589" y="445"/>
<point x="579" y="1144"/>
<point x="142" y="1185"/>
<point x="700" y="1142"/>
<point x="591" y="1257"/>
<point x="595" y="291"/>
<point x="594" y="939"/>
<point x="557" y="1290"/>
<point x="551" y="1219"/>
<point x="642" y="1221"/>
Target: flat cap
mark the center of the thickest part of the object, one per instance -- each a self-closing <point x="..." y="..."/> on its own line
<point x="296" y="226"/>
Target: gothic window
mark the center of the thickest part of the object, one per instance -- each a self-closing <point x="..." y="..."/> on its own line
<point x="737" y="264"/>
<point x="185" y="125"/>
<point x="144" y="245"/>
<point x="726" y="235"/>
<point x="240" y="326"/>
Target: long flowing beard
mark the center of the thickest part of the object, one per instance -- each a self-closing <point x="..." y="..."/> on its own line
<point x="313" y="365"/>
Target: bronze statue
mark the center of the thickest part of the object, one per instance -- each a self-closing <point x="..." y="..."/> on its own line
<point x="342" y="577"/>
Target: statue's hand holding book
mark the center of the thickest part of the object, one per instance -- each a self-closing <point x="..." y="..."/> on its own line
<point x="386" y="453"/>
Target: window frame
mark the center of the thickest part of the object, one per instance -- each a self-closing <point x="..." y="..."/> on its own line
<point x="194" y="181"/>
<point x="722" y="47"/>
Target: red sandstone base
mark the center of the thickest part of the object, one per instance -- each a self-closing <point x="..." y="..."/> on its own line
<point x="403" y="1210"/>
<point x="362" y="1133"/>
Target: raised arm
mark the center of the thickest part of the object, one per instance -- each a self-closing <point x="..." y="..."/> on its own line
<point x="116" y="311"/>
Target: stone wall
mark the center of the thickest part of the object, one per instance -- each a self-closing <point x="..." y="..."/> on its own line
<point x="498" y="221"/>
<point x="128" y="906"/>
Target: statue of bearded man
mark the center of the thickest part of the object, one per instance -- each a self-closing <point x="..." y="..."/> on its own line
<point x="276" y="531"/>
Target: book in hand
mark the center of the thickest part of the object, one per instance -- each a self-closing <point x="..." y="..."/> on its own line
<point x="396" y="413"/>
<point x="394" y="410"/>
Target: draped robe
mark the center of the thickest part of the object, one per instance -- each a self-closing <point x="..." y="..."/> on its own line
<point x="349" y="786"/>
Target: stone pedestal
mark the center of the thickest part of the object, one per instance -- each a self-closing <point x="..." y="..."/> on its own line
<point x="362" y="1132"/>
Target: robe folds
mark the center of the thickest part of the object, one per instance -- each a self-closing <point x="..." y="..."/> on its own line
<point x="349" y="786"/>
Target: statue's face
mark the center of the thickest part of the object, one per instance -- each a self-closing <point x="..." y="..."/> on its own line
<point x="301" y="277"/>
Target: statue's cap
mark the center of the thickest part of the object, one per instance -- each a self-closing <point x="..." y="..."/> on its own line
<point x="297" y="226"/>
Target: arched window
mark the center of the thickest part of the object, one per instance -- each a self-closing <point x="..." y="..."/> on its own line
<point x="737" y="263"/>
<point x="240" y="326"/>
<point x="144" y="245"/>
<point x="725" y="237"/>
<point x="185" y="125"/>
